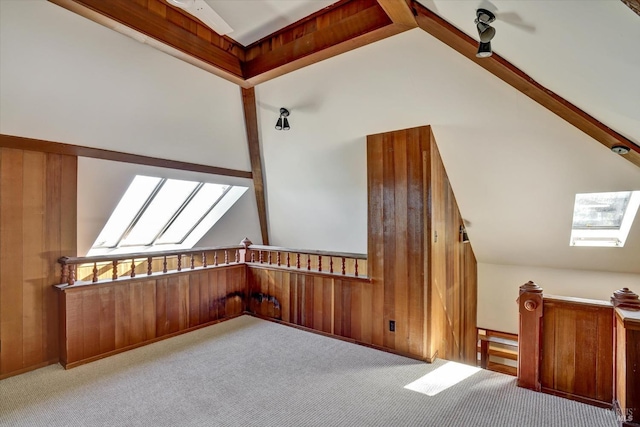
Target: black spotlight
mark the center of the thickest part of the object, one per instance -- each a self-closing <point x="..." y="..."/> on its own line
<point x="283" y="123"/>
<point x="485" y="31"/>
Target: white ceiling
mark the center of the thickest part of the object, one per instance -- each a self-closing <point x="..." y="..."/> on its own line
<point x="514" y="166"/>
<point x="252" y="20"/>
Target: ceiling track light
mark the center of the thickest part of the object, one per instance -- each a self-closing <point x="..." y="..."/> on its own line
<point x="485" y="32"/>
<point x="283" y="122"/>
<point x="620" y="149"/>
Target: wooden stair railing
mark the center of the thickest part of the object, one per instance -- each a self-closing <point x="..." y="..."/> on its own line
<point x="495" y="349"/>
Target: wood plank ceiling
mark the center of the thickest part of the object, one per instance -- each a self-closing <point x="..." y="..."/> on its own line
<point x="344" y="26"/>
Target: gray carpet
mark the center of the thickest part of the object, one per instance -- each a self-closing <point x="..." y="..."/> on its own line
<point x="250" y="372"/>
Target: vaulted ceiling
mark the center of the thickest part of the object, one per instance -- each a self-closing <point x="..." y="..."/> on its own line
<point x="360" y="67"/>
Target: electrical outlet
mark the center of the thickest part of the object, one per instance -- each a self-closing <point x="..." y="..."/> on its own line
<point x="392" y="325"/>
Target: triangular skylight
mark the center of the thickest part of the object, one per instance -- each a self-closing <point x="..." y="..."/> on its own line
<point x="164" y="214"/>
<point x="603" y="219"/>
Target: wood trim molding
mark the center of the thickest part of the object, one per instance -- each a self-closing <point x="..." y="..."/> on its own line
<point x="507" y="72"/>
<point x="10" y="141"/>
<point x="399" y="11"/>
<point x="255" y="156"/>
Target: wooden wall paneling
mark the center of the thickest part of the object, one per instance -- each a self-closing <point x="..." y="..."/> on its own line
<point x="107" y="330"/>
<point x="161" y="308"/>
<point x="123" y="315"/>
<point x="90" y="325"/>
<point x="604" y="380"/>
<point x="318" y="302"/>
<point x="34" y="272"/>
<point x="565" y="330"/>
<point x="356" y="311"/>
<point x="11" y="252"/>
<point x="375" y="241"/>
<point x="388" y="238"/>
<point x="183" y="301"/>
<point x="74" y="342"/>
<point x="401" y="283"/>
<point x="287" y="306"/>
<point x="547" y="365"/>
<point x="194" y="299"/>
<point x="415" y="245"/>
<point x="136" y="316"/>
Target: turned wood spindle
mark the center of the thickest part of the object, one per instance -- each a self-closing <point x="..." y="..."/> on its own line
<point x="72" y="275"/>
<point x="204" y="259"/>
<point x="330" y="264"/>
<point x="356" y="267"/>
<point x="288" y="259"/>
<point x="164" y="264"/>
<point x="226" y="257"/>
<point x="114" y="276"/>
<point x="308" y="262"/>
<point x="133" y="268"/>
<point x="319" y="262"/>
<point x="215" y="258"/>
<point x="278" y="258"/>
<point x="149" y="266"/>
<point x="344" y="266"/>
<point x="64" y="273"/>
<point x="253" y="256"/>
<point x="297" y="260"/>
<point x="237" y="256"/>
<point x="95" y="272"/>
<point x="269" y="258"/>
<point x="179" y="262"/>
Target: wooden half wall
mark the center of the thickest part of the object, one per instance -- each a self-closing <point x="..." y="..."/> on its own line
<point x="37" y="226"/>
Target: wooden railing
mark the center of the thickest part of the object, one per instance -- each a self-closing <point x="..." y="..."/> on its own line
<point x="498" y="351"/>
<point x="585" y="350"/>
<point x="339" y="263"/>
<point x="102" y="268"/>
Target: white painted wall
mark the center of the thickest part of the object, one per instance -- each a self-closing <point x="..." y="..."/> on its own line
<point x="498" y="287"/>
<point x="67" y="79"/>
<point x="101" y="184"/>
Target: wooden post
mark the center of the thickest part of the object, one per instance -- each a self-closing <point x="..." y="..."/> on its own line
<point x="627" y="356"/>
<point x="529" y="336"/>
<point x="245" y="250"/>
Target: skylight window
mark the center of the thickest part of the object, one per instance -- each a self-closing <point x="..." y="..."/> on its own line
<point x="163" y="214"/>
<point x="603" y="219"/>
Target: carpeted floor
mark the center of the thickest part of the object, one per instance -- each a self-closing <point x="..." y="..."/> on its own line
<point x="250" y="372"/>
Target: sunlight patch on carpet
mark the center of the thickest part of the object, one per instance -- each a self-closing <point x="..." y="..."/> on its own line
<point x="442" y="378"/>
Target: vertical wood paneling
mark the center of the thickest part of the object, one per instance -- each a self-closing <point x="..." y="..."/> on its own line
<point x="577" y="350"/>
<point x="37" y="205"/>
<point x="423" y="273"/>
<point x="11" y="272"/>
<point x="105" y="318"/>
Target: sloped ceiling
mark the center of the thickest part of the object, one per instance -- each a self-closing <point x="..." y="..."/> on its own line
<point x="515" y="167"/>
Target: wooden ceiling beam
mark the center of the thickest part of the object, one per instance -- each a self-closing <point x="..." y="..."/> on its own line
<point x="633" y="5"/>
<point x="141" y="22"/>
<point x="338" y="29"/>
<point x="400" y="12"/>
<point x="507" y="72"/>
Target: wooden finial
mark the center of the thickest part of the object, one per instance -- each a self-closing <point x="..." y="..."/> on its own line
<point x="530" y="287"/>
<point x="246" y="243"/>
<point x="626" y="299"/>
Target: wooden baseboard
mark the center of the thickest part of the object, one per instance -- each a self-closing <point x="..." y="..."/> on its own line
<point x="28" y="369"/>
<point x="577" y="398"/>
<point x="341" y="338"/>
<point x="141" y="344"/>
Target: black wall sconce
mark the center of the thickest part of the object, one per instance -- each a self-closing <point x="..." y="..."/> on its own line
<point x="283" y="122"/>
<point x="463" y="235"/>
<point x="485" y="31"/>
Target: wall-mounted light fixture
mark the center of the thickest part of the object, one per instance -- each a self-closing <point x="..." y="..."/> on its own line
<point x="283" y="123"/>
<point x="485" y="31"/>
<point x="463" y="235"/>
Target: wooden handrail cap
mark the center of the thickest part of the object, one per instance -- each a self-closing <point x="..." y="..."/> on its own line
<point x="626" y="299"/>
<point x="530" y="287"/>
